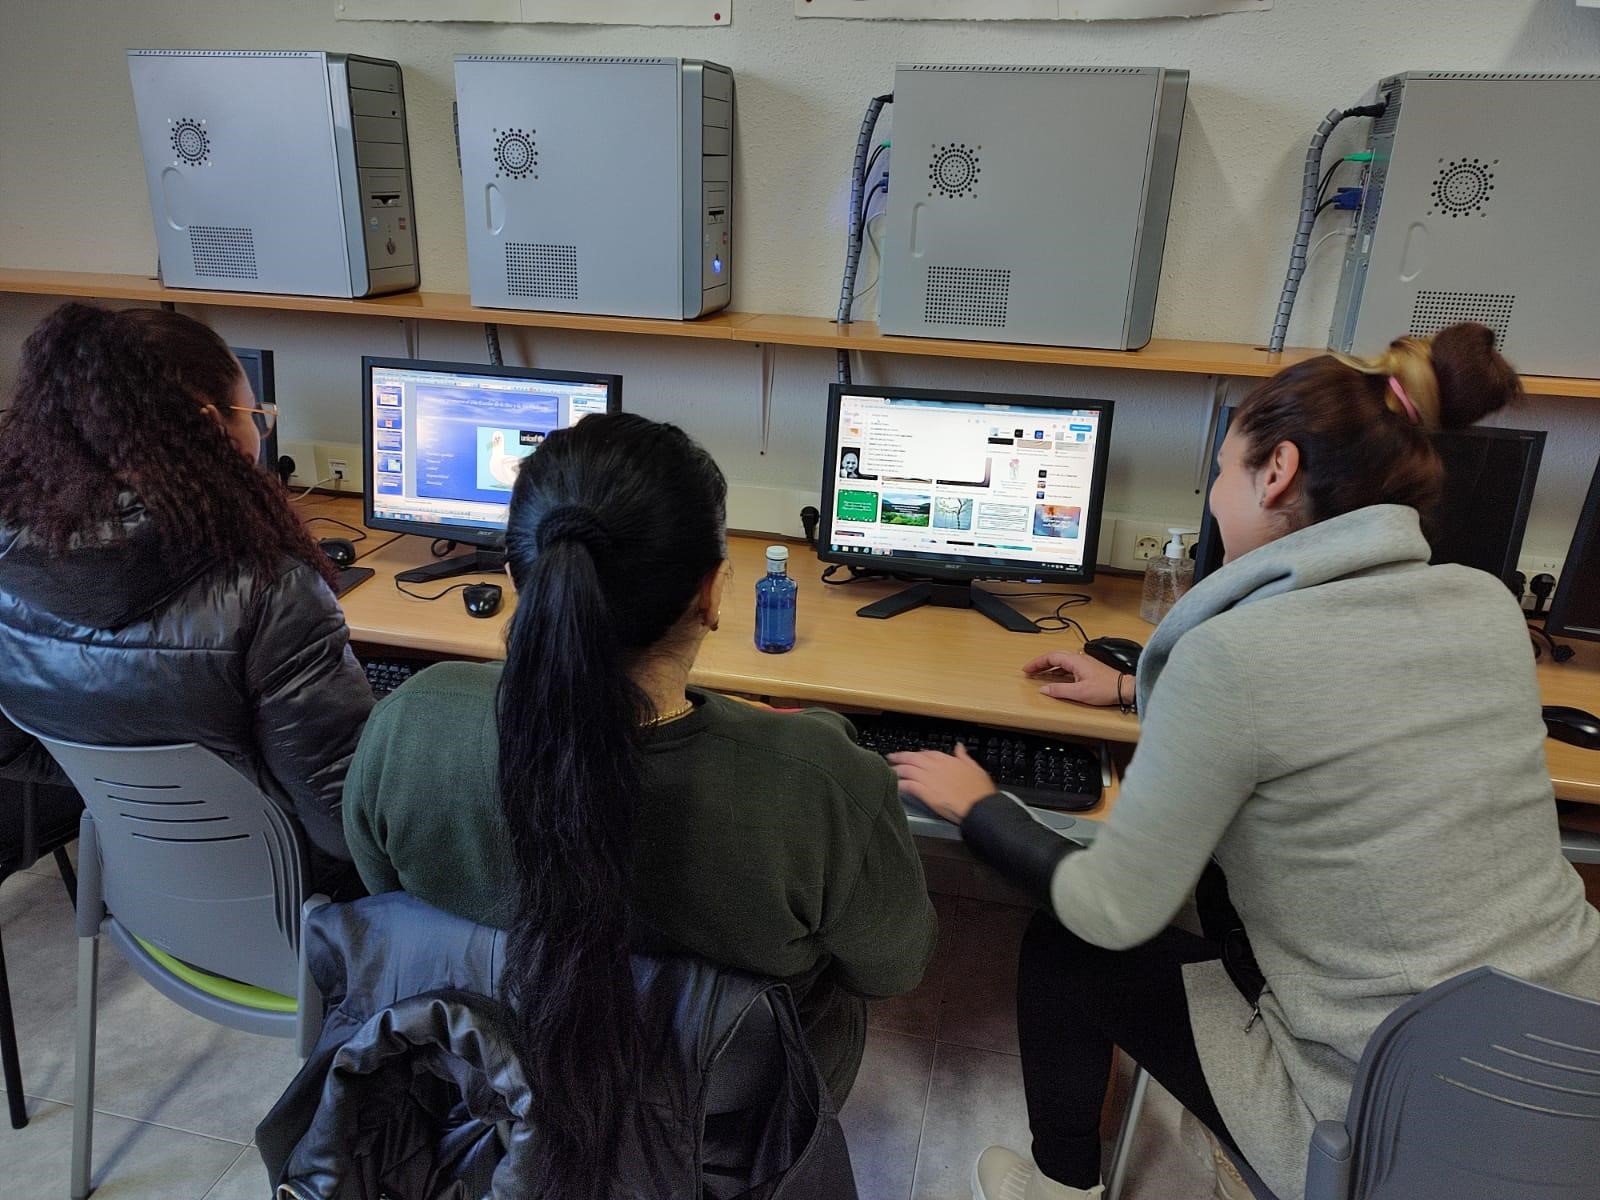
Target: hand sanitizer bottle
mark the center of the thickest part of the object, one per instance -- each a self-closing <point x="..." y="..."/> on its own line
<point x="1166" y="578"/>
<point x="775" y="597"/>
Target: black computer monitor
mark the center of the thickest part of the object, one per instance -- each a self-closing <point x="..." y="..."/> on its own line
<point x="1489" y="476"/>
<point x="442" y="442"/>
<point x="1575" y="608"/>
<point x="257" y="366"/>
<point x="962" y="486"/>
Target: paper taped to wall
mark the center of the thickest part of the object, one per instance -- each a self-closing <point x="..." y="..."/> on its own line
<point x="1023" y="10"/>
<point x="531" y="12"/>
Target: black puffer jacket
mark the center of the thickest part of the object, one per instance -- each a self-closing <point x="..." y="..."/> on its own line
<point x="114" y="643"/>
<point x="421" y="1096"/>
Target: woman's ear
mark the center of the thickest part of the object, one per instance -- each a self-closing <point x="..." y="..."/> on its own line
<point x="1277" y="482"/>
<point x="708" y="604"/>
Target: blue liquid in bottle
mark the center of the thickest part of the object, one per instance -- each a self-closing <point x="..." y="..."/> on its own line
<point x="775" y="597"/>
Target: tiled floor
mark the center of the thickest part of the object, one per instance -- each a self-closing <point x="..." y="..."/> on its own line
<point x="178" y="1099"/>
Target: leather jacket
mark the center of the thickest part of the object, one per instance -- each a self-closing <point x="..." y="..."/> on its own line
<point x="115" y="642"/>
<point x="414" y="1090"/>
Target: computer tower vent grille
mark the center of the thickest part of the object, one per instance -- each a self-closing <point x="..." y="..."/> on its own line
<point x="967" y="296"/>
<point x="223" y="253"/>
<point x="614" y="60"/>
<point x="224" y="53"/>
<point x="1011" y="70"/>
<point x="541" y="272"/>
<point x="1518" y="76"/>
<point x="190" y="141"/>
<point x="516" y="154"/>
<point x="1462" y="186"/>
<point x="1434" y="311"/>
<point x="953" y="172"/>
<point x="1385" y="125"/>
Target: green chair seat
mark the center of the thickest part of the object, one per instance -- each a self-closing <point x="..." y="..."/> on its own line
<point x="229" y="990"/>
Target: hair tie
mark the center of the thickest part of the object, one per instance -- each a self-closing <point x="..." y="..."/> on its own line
<point x="1405" y="400"/>
<point x="574" y="523"/>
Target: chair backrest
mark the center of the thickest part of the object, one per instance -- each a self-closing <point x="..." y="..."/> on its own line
<point x="1485" y="1085"/>
<point x="193" y="858"/>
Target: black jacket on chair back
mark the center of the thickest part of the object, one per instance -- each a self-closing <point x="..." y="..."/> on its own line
<point x="415" y="1090"/>
<point x="116" y="643"/>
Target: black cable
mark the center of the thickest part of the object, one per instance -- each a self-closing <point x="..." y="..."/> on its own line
<point x="873" y="161"/>
<point x="454" y="587"/>
<point x="866" y="202"/>
<point x="1327" y="177"/>
<point x="360" y="534"/>
<point x="373" y="550"/>
<point x="491" y="337"/>
<point x="1558" y="652"/>
<point x="1327" y="204"/>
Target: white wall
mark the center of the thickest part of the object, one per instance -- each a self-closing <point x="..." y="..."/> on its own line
<point x="72" y="196"/>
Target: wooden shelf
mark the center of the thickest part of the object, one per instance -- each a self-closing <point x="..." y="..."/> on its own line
<point x="1163" y="354"/>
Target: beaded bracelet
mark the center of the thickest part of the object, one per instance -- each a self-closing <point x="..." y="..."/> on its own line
<point x="1129" y="707"/>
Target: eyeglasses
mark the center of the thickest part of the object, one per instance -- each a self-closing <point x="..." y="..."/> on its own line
<point x="265" y="416"/>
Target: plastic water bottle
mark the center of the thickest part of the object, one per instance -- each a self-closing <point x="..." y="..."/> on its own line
<point x="775" y="597"/>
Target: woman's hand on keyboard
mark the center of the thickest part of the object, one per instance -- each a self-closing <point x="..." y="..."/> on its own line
<point x="1075" y="677"/>
<point x="950" y="784"/>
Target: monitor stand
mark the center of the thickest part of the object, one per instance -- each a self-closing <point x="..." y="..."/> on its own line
<point x="950" y="595"/>
<point x="479" y="562"/>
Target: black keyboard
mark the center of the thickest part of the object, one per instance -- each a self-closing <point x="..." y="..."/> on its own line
<point x="386" y="674"/>
<point x="1041" y="771"/>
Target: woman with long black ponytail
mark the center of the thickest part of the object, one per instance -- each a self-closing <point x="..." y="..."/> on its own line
<point x="624" y="810"/>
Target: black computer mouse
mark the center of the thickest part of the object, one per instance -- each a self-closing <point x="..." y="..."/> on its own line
<point x="481" y="599"/>
<point x="1573" y="726"/>
<point x="1121" y="654"/>
<point x="340" y="551"/>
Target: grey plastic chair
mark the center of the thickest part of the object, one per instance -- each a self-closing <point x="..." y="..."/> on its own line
<point x="200" y="881"/>
<point x="1483" y="1086"/>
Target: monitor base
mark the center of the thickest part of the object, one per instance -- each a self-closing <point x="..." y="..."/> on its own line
<point x="950" y="595"/>
<point x="479" y="562"/>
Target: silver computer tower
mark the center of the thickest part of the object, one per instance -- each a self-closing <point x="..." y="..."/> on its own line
<point x="597" y="185"/>
<point x="1480" y="206"/>
<point x="277" y="170"/>
<point x="1029" y="204"/>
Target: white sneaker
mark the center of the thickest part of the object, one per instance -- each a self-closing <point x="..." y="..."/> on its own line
<point x="1002" y="1174"/>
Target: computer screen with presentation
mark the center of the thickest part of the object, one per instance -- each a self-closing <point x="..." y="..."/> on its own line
<point x="1489" y="476"/>
<point x="960" y="486"/>
<point x="1575" y="607"/>
<point x="443" y="442"/>
<point x="257" y="366"/>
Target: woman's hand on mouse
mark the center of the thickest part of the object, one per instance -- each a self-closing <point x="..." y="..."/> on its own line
<point x="950" y="784"/>
<point x="1077" y="677"/>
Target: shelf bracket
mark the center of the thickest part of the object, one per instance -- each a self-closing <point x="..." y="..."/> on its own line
<point x="769" y="366"/>
<point x="408" y="327"/>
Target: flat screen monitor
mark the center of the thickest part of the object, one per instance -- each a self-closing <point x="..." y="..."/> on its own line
<point x="960" y="486"/>
<point x="442" y="443"/>
<point x="257" y="366"/>
<point x="1489" y="476"/>
<point x="1575" y="608"/>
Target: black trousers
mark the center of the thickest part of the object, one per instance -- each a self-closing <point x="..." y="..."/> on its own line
<point x="1075" y="1002"/>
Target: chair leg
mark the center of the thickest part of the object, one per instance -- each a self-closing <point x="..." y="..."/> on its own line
<point x="1117" y="1177"/>
<point x="10" y="1062"/>
<point x="83" y="1078"/>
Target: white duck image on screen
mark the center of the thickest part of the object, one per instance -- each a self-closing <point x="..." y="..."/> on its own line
<point x="502" y="466"/>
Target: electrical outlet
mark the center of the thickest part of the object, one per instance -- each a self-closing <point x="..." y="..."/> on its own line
<point x="1128" y="543"/>
<point x="333" y="467"/>
<point x="338" y="468"/>
<point x="1532" y="565"/>
<point x="1147" y="548"/>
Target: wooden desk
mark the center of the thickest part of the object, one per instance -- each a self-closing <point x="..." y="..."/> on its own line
<point x="933" y="662"/>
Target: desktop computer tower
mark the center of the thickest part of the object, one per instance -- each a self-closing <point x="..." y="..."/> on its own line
<point x="1479" y="206"/>
<point x="1029" y="204"/>
<point x="597" y="185"/>
<point x="277" y="170"/>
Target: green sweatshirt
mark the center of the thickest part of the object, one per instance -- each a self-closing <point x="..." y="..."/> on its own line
<point x="765" y="841"/>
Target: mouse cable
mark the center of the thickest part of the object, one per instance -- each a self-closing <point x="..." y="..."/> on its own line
<point x="1558" y="653"/>
<point x="360" y="534"/>
<point x="454" y="587"/>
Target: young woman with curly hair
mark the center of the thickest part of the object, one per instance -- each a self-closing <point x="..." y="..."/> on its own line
<point x="155" y="585"/>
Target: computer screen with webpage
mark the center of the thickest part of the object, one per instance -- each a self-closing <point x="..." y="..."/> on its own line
<point x="971" y="481"/>
<point x="444" y="440"/>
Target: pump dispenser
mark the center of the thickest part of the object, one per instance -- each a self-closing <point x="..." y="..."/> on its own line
<point x="1166" y="578"/>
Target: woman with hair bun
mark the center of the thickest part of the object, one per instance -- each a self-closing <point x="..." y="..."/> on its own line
<point x="155" y="585"/>
<point x="1353" y="736"/>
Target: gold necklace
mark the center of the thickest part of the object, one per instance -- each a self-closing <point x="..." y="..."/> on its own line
<point x="668" y="717"/>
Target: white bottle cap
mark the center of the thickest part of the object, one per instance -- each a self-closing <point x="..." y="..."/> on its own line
<point x="1175" y="542"/>
<point x="777" y="556"/>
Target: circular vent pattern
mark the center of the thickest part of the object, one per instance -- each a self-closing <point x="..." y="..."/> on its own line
<point x="954" y="171"/>
<point x="1462" y="186"/>
<point x="190" y="142"/>
<point x="516" y="153"/>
